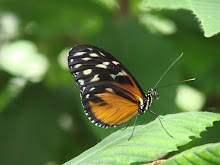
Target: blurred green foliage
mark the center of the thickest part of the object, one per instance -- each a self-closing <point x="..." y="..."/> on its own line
<point x="44" y="122"/>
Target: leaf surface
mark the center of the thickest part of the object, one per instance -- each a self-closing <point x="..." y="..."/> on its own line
<point x="168" y="4"/>
<point x="148" y="141"/>
<point x="208" y="154"/>
<point x="207" y="11"/>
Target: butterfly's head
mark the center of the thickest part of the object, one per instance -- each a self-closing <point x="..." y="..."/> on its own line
<point x="153" y="93"/>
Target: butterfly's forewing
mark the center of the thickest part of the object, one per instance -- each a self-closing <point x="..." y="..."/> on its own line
<point x="109" y="93"/>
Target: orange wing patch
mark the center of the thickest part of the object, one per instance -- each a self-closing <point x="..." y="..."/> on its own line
<point x="114" y="110"/>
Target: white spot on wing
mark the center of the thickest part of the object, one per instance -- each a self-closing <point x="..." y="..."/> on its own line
<point x="109" y="89"/>
<point x="81" y="82"/>
<point x="71" y="60"/>
<point x="101" y="66"/>
<point x="79" y="53"/>
<point x="93" y="121"/>
<point x="77" y="65"/>
<point x="86" y="59"/>
<point x="94" y="55"/>
<point x="95" y="78"/>
<point x="101" y="53"/>
<point x="87" y="71"/>
<point x="113" y="76"/>
<point x="89" y="49"/>
<point x="91" y="89"/>
<point x="115" y="62"/>
<point x="87" y="96"/>
<point x="106" y="63"/>
<point x="83" y="89"/>
<point x="122" y="73"/>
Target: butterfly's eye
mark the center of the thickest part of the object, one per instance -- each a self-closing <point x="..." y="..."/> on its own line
<point x="156" y="96"/>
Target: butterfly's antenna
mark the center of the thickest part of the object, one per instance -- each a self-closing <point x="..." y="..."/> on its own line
<point x="133" y="127"/>
<point x="158" y="116"/>
<point x="192" y="79"/>
<point x="167" y="70"/>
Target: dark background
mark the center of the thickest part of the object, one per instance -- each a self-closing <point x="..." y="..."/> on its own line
<point x="42" y="122"/>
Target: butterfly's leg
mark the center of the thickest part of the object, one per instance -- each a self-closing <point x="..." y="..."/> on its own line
<point x="134" y="126"/>
<point x="160" y="122"/>
<point x="127" y="125"/>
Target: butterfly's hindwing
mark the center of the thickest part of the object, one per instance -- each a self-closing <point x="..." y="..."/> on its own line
<point x="109" y="93"/>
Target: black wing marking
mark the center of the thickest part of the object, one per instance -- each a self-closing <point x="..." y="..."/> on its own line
<point x="102" y="64"/>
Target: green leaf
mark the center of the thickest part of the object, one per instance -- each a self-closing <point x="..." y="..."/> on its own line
<point x="148" y="141"/>
<point x="168" y="4"/>
<point x="208" y="154"/>
<point x="207" y="12"/>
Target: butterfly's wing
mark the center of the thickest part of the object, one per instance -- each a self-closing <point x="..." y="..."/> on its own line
<point x="109" y="93"/>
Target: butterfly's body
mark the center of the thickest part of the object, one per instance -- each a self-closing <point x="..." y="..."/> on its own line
<point x="110" y="95"/>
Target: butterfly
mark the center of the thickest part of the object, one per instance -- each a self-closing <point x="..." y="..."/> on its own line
<point x="110" y="95"/>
